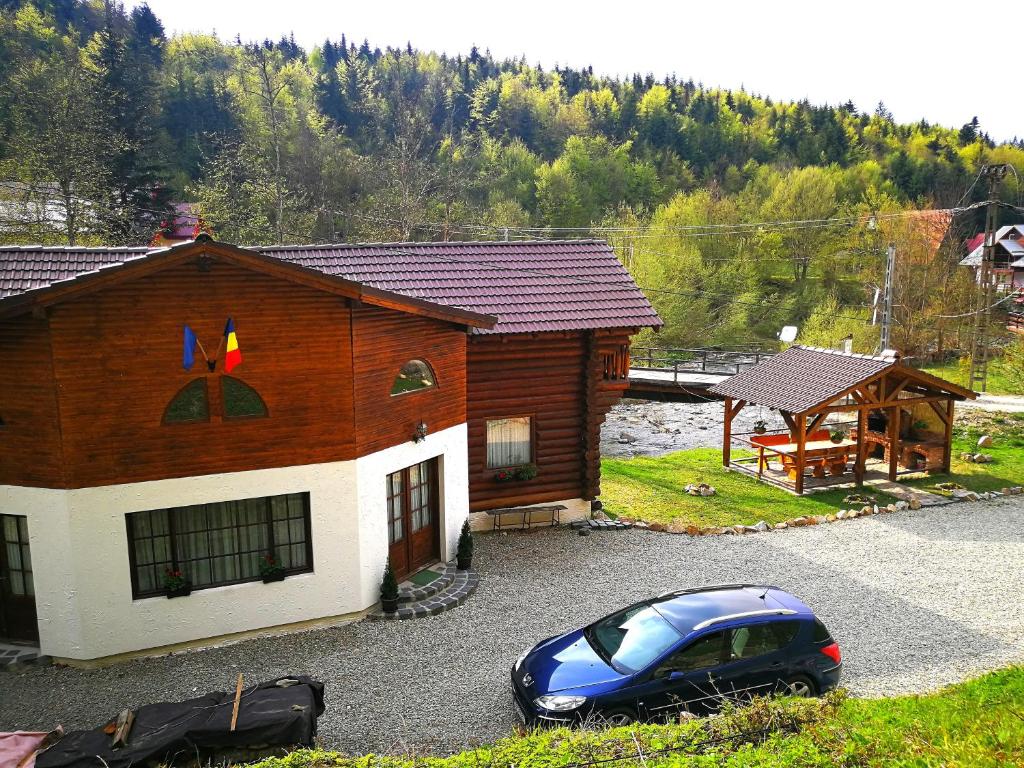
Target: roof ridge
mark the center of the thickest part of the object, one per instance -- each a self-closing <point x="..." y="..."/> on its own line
<point x="423" y="244"/>
<point x="78" y="248"/>
<point x="841" y="353"/>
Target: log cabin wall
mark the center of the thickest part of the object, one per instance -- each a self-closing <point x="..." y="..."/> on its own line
<point x="97" y="414"/>
<point x="382" y="342"/>
<point x="30" y="445"/>
<point x="558" y="379"/>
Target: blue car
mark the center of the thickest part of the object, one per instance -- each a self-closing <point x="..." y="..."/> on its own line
<point x="682" y="651"/>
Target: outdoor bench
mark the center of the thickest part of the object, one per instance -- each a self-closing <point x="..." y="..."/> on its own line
<point x="551" y="515"/>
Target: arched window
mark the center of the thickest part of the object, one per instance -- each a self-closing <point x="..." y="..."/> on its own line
<point x="412" y="377"/>
<point x="191" y="403"/>
<point x="240" y="400"/>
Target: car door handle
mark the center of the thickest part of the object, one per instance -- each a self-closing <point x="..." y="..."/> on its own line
<point x="777" y="665"/>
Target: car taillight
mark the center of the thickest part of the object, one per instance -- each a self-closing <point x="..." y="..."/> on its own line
<point x="832" y="651"/>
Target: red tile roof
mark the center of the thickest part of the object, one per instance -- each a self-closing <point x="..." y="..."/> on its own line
<point x="530" y="286"/>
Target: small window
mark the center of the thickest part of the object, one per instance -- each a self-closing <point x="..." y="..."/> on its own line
<point x="703" y="653"/>
<point x="412" y="377"/>
<point x="190" y="404"/>
<point x="509" y="442"/>
<point x="759" y="639"/>
<point x="240" y="400"/>
<point x="821" y="633"/>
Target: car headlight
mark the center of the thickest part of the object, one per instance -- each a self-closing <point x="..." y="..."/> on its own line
<point x="560" y="703"/>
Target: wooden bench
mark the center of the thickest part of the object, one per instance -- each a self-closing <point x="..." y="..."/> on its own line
<point x="552" y="512"/>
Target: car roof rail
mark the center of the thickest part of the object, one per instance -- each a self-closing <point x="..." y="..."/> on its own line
<point x="745" y="615"/>
<point x="712" y="588"/>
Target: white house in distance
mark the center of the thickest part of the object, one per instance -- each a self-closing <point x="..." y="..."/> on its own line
<point x="384" y="394"/>
<point x="1008" y="258"/>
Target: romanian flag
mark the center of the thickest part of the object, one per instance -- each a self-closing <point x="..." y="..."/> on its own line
<point x="232" y="354"/>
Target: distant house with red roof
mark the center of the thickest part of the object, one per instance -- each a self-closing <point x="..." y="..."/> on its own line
<point x="386" y="393"/>
<point x="1007" y="260"/>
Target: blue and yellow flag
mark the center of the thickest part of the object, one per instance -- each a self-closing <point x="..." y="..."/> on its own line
<point x="189" y="355"/>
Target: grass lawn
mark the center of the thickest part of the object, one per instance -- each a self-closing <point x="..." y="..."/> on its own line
<point x="977" y="724"/>
<point x="998" y="382"/>
<point x="1007" y="451"/>
<point x="651" y="489"/>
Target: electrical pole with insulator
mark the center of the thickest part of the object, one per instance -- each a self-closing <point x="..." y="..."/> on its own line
<point x="890" y="269"/>
<point x="978" y="377"/>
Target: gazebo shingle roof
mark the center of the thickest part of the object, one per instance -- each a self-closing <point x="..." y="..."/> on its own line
<point x="801" y="378"/>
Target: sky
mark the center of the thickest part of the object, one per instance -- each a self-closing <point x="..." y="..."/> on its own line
<point x="920" y="58"/>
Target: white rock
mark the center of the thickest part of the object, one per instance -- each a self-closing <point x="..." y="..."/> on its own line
<point x="760" y="526"/>
<point x="985" y="441"/>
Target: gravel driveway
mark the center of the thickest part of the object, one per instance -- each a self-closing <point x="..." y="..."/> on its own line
<point x="916" y="600"/>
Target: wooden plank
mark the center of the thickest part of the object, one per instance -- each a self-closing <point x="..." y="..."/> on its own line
<point x="238" y="700"/>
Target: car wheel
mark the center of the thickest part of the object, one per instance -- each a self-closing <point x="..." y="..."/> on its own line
<point x="618" y="717"/>
<point x="799" y="686"/>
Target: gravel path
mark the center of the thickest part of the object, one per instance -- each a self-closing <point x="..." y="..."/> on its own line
<point x="916" y="600"/>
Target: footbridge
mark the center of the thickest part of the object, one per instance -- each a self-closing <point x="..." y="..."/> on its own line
<point x="685" y="374"/>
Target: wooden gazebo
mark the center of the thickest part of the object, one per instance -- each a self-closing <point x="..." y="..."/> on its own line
<point x="902" y="413"/>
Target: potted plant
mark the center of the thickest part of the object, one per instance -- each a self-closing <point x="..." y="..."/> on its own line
<point x="760" y="427"/>
<point x="389" y="589"/>
<point x="271" y="570"/>
<point x="837" y="435"/>
<point x="175" y="584"/>
<point x="526" y="472"/>
<point x="504" y="475"/>
<point x="464" y="554"/>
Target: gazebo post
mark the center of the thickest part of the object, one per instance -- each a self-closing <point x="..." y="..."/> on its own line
<point x="947" y="454"/>
<point x="727" y="432"/>
<point x="894" y="441"/>
<point x="862" y="428"/>
<point x="801" y="448"/>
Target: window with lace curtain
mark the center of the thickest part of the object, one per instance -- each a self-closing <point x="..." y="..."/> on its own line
<point x="220" y="543"/>
<point x="509" y="442"/>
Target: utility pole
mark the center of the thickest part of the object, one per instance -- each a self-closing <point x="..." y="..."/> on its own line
<point x="890" y="269"/>
<point x="978" y="378"/>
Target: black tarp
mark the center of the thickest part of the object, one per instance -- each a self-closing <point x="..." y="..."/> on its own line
<point x="276" y="713"/>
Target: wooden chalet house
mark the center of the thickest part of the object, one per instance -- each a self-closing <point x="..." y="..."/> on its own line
<point x="383" y="394"/>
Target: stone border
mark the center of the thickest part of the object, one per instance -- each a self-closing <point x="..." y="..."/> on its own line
<point x="799" y="522"/>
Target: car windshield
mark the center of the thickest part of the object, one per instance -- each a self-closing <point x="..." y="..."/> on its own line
<point x="632" y="638"/>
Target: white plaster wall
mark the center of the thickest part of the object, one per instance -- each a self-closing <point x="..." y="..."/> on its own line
<point x="450" y="447"/>
<point x="79" y="546"/>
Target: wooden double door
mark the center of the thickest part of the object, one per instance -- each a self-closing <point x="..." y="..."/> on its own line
<point x="413" y="517"/>
<point x="17" y="587"/>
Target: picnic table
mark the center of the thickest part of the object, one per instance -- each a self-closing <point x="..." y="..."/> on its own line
<point x="819" y="455"/>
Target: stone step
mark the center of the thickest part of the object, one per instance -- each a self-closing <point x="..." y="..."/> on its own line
<point x="461" y="585"/>
<point x="409" y="592"/>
